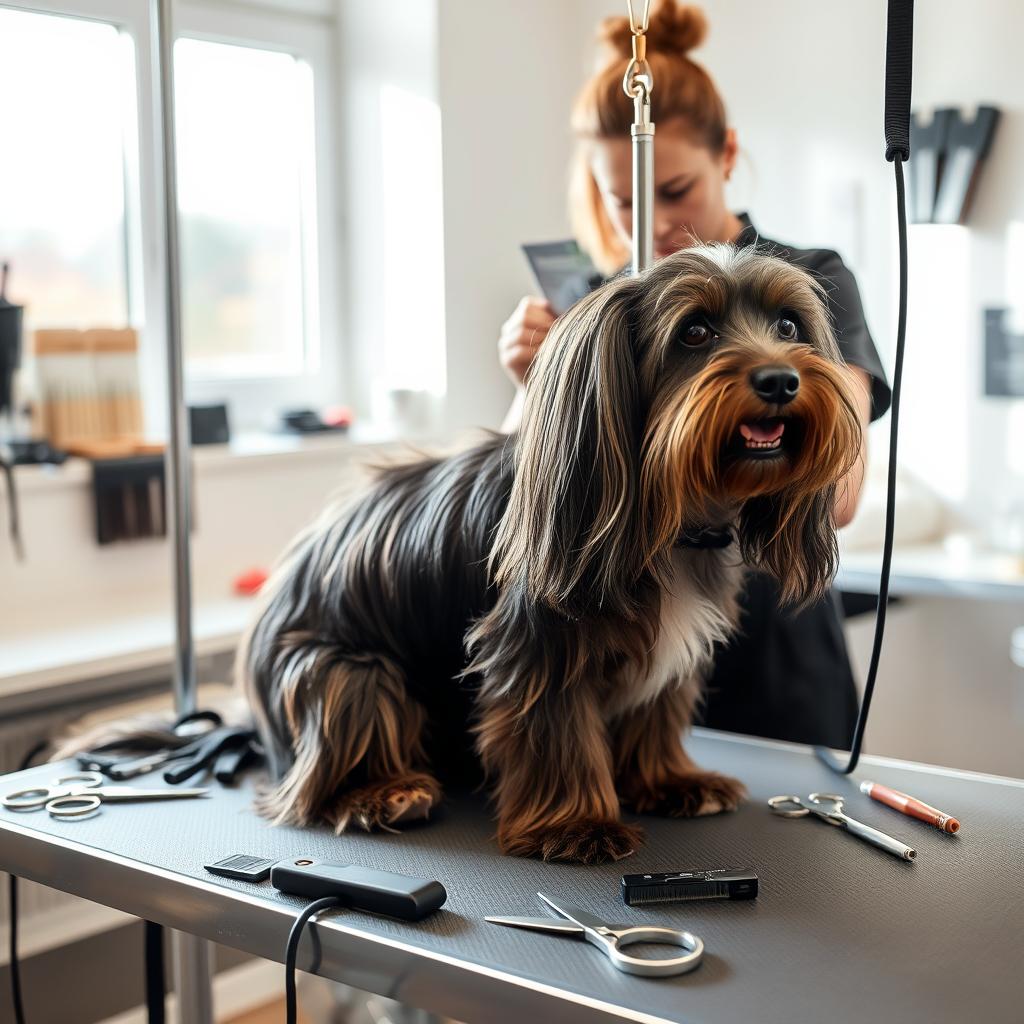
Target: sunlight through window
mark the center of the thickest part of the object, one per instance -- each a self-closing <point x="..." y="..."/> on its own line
<point x="246" y="194"/>
<point x="62" y="178"/>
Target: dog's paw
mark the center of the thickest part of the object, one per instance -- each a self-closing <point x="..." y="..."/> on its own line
<point x="381" y="805"/>
<point x="687" y="796"/>
<point x="582" y="842"/>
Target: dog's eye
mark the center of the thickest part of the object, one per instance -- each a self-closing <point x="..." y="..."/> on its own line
<point x="696" y="334"/>
<point x="786" y="329"/>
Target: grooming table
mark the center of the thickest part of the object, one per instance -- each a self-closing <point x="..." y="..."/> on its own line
<point x="841" y="931"/>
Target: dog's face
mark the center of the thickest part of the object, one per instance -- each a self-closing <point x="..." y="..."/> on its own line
<point x="708" y="389"/>
<point x="740" y="381"/>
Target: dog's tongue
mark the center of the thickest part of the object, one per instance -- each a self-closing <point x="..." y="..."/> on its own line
<point x="762" y="430"/>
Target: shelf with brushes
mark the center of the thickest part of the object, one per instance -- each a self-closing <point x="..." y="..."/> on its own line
<point x="89" y="400"/>
<point x="90" y="405"/>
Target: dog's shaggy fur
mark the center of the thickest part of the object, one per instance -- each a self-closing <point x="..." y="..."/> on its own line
<point x="531" y="601"/>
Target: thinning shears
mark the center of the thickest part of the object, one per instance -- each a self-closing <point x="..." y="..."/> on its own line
<point x="75" y="796"/>
<point x="609" y="939"/>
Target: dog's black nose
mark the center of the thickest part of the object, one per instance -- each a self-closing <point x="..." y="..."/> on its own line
<point x="775" y="384"/>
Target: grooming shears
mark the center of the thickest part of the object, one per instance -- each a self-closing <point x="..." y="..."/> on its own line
<point x="75" y="796"/>
<point x="609" y="939"/>
<point x="832" y="812"/>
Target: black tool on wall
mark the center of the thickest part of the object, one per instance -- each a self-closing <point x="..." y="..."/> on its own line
<point x="949" y="152"/>
<point x="967" y="145"/>
<point x="1004" y="355"/>
<point x="15" y="450"/>
<point x="10" y="360"/>
<point x="129" y="498"/>
<point x="928" y="140"/>
<point x="10" y="344"/>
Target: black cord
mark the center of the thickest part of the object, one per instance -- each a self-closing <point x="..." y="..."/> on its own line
<point x="899" y="51"/>
<point x="292" y="949"/>
<point x="12" y="902"/>
<point x="827" y="756"/>
<point x="155" y="981"/>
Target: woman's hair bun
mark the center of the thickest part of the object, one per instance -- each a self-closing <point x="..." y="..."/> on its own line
<point x="673" y="30"/>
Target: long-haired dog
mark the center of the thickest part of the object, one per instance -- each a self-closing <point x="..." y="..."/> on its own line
<point x="545" y="601"/>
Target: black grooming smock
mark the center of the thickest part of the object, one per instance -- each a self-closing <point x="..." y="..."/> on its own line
<point x="783" y="675"/>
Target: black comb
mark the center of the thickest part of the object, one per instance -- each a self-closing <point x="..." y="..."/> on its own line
<point x="680" y="886"/>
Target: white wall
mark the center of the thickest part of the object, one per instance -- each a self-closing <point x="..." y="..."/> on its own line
<point x="963" y="57"/>
<point x="502" y="83"/>
<point x="385" y="46"/>
<point x="507" y="76"/>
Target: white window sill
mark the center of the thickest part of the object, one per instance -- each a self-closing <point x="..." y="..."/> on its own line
<point x="124" y="640"/>
<point x="249" y="450"/>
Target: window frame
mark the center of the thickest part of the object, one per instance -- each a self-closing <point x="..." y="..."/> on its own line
<point x="311" y="38"/>
<point x="308" y="33"/>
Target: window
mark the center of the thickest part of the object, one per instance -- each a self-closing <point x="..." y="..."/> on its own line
<point x="81" y="207"/>
<point x="69" y="114"/>
<point x="247" y="207"/>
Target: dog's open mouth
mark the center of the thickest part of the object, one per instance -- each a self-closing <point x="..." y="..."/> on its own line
<point x="767" y="438"/>
<point x="763" y="434"/>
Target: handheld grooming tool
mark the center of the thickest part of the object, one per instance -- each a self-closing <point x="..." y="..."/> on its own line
<point x="379" y="892"/>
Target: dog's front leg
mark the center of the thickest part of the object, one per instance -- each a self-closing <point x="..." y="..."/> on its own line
<point x="654" y="773"/>
<point x="552" y="767"/>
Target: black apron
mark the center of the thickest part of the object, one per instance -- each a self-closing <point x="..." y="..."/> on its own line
<point x="783" y="675"/>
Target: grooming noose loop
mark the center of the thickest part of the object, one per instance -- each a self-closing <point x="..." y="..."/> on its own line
<point x="638" y="83"/>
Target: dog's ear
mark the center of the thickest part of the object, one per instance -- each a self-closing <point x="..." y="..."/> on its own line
<point x="568" y="537"/>
<point x="793" y="540"/>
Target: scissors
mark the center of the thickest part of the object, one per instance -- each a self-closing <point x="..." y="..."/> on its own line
<point x="75" y="796"/>
<point x="829" y="807"/>
<point x="581" y="924"/>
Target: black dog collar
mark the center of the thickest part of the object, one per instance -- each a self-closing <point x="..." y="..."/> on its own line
<point x="705" y="537"/>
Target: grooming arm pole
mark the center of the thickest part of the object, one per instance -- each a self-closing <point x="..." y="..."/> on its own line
<point x="643" y="187"/>
<point x="191" y="955"/>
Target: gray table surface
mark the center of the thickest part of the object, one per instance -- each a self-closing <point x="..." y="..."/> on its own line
<point x="840" y="931"/>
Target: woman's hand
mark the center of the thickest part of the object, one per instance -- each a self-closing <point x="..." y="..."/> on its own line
<point x="521" y="336"/>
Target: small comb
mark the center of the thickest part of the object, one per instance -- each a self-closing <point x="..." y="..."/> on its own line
<point x="681" y="886"/>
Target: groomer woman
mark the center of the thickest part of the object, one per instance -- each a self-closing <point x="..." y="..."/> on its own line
<point x="784" y="675"/>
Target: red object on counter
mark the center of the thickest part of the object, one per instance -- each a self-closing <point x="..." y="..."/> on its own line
<point x="249" y="583"/>
<point x="338" y="416"/>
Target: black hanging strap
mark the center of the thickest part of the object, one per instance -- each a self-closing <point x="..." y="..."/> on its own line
<point x="899" y="58"/>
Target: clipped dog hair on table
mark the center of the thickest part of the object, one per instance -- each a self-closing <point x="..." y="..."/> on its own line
<point x="544" y="606"/>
